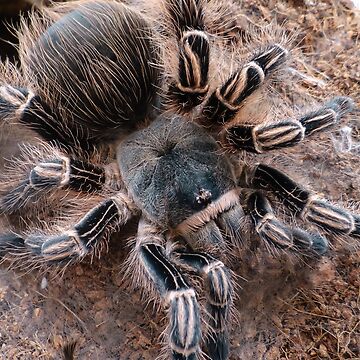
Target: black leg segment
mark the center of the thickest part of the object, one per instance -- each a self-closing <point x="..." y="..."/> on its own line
<point x="287" y="133"/>
<point x="22" y="105"/>
<point x="191" y="86"/>
<point x="300" y="200"/>
<point x="184" y="330"/>
<point x="186" y="15"/>
<point x="219" y="300"/>
<point x="50" y="174"/>
<point x="275" y="232"/>
<point x="77" y="241"/>
<point x="226" y="101"/>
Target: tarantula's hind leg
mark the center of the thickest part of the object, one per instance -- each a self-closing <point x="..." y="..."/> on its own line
<point x="191" y="85"/>
<point x="301" y="201"/>
<point x="219" y="300"/>
<point x="21" y="105"/>
<point x="275" y="232"/>
<point x="76" y="241"/>
<point x="156" y="271"/>
<point x="286" y="133"/>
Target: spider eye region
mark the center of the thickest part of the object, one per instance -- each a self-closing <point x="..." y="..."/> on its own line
<point x="173" y="169"/>
<point x="204" y="197"/>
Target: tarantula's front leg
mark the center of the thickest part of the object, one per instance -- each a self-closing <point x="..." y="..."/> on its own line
<point x="52" y="170"/>
<point x="191" y="85"/>
<point x="184" y="330"/>
<point x="78" y="240"/>
<point x="286" y="133"/>
<point x="219" y="300"/>
<point x="275" y="232"/>
<point x="225" y="102"/>
<point x="301" y="201"/>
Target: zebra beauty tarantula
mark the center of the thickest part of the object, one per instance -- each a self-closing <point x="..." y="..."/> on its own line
<point x="132" y="138"/>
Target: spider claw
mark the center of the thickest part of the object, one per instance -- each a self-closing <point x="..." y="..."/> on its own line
<point x="341" y="105"/>
<point x="314" y="243"/>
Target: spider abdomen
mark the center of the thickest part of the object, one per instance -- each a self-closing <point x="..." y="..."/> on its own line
<point x="94" y="68"/>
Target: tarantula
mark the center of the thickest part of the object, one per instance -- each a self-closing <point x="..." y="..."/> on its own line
<point x="95" y="83"/>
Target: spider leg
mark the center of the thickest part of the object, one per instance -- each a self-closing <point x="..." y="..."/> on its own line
<point x="301" y="201"/>
<point x="219" y="300"/>
<point x="23" y="106"/>
<point x="286" y="133"/>
<point x="225" y="102"/>
<point x="275" y="232"/>
<point x="78" y="240"/>
<point x="191" y="85"/>
<point x="184" y="330"/>
<point x="54" y="170"/>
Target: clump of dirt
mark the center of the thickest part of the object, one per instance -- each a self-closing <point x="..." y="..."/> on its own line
<point x="289" y="307"/>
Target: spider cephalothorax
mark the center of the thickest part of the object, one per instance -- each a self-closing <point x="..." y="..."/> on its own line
<point x="96" y="82"/>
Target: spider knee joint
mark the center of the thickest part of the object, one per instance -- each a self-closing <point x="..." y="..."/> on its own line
<point x="274" y="232"/>
<point x="219" y="283"/>
<point x="328" y="216"/>
<point x="271" y="59"/>
<point x="240" y="85"/>
<point x="54" y="171"/>
<point x="185" y="325"/>
<point x="194" y="62"/>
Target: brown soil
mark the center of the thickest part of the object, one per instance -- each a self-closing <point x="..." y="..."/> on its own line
<point x="289" y="307"/>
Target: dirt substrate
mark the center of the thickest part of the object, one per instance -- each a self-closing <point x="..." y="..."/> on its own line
<point x="289" y="307"/>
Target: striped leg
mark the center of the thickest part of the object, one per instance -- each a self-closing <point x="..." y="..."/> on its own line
<point x="219" y="300"/>
<point x="301" y="201"/>
<point x="77" y="241"/>
<point x="191" y="85"/>
<point x="184" y="330"/>
<point x="286" y="133"/>
<point x="57" y="171"/>
<point x="22" y="105"/>
<point x="225" y="102"/>
<point x="275" y="232"/>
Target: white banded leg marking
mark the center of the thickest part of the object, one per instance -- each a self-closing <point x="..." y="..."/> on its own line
<point x="277" y="135"/>
<point x="192" y="85"/>
<point x="54" y="170"/>
<point x="328" y="216"/>
<point x="273" y="58"/>
<point x="219" y="300"/>
<point x="184" y="325"/>
<point x="14" y="96"/>
<point x="225" y="102"/>
<point x="300" y="200"/>
<point x="184" y="315"/>
<point x="51" y="174"/>
<point x="240" y="86"/>
<point x="327" y="115"/>
<point x="286" y="133"/>
<point x="275" y="232"/>
<point x="83" y="236"/>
